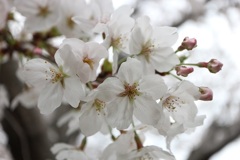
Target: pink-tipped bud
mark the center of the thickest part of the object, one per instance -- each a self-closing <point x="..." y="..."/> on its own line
<point x="214" y="65"/>
<point x="206" y="94"/>
<point x="183" y="70"/>
<point x="188" y="44"/>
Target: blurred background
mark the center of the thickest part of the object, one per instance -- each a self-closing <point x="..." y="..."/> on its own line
<point x="216" y="26"/>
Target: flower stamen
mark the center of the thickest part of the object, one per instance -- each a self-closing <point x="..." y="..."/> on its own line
<point x="99" y="105"/>
<point x="43" y="11"/>
<point x="131" y="91"/>
<point x="172" y="102"/>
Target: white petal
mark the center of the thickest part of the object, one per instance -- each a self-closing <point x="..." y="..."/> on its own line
<point x="164" y="59"/>
<point x="119" y="113"/>
<point x="165" y="36"/>
<point x="36" y="72"/>
<point x="50" y="98"/>
<point x="188" y="87"/>
<point x="146" y="28"/>
<point x="130" y="71"/>
<point x="28" y="98"/>
<point x="90" y="121"/>
<point x="145" y="109"/>
<point x="136" y="42"/>
<point x="153" y="85"/>
<point x="73" y="91"/>
<point x="123" y="10"/>
<point x="64" y="57"/>
<point x="76" y="44"/>
<point x="110" y="89"/>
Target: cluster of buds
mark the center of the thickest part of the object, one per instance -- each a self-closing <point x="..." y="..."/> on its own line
<point x="213" y="65"/>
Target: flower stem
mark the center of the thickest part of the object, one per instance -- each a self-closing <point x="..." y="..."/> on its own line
<point x="175" y="76"/>
<point x="83" y="144"/>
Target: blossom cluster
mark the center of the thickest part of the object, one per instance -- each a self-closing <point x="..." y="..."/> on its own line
<point x="124" y="94"/>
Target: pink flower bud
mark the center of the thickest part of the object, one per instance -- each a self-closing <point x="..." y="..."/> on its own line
<point x="183" y="70"/>
<point x="214" y="65"/>
<point x="188" y="44"/>
<point x="206" y="94"/>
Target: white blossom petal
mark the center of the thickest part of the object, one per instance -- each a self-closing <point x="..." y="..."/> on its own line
<point x="153" y="85"/>
<point x="73" y="91"/>
<point x="130" y="71"/>
<point x="110" y="89"/>
<point x="164" y="59"/>
<point x="50" y="98"/>
<point x="145" y="109"/>
<point x="90" y="121"/>
<point x="119" y="113"/>
<point x="169" y="33"/>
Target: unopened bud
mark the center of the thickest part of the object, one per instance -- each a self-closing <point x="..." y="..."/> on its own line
<point x="188" y="44"/>
<point x="214" y="65"/>
<point x="183" y="70"/>
<point x="206" y="94"/>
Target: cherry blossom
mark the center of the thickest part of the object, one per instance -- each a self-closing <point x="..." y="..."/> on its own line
<point x="66" y="25"/>
<point x="40" y="15"/>
<point x="117" y="32"/>
<point x="100" y="12"/>
<point x="130" y="93"/>
<point x="152" y="45"/>
<point x="86" y="57"/>
<point x="55" y="82"/>
<point x="92" y="117"/>
<point x="179" y="104"/>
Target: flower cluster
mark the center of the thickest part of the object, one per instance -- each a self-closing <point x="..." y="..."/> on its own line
<point x="124" y="94"/>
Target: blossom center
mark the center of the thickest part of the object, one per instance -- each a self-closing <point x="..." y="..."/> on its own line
<point x="89" y="61"/>
<point x="147" y="50"/>
<point x="172" y="102"/>
<point x="43" y="11"/>
<point x="99" y="105"/>
<point x="55" y="76"/>
<point x="116" y="42"/>
<point x="131" y="91"/>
